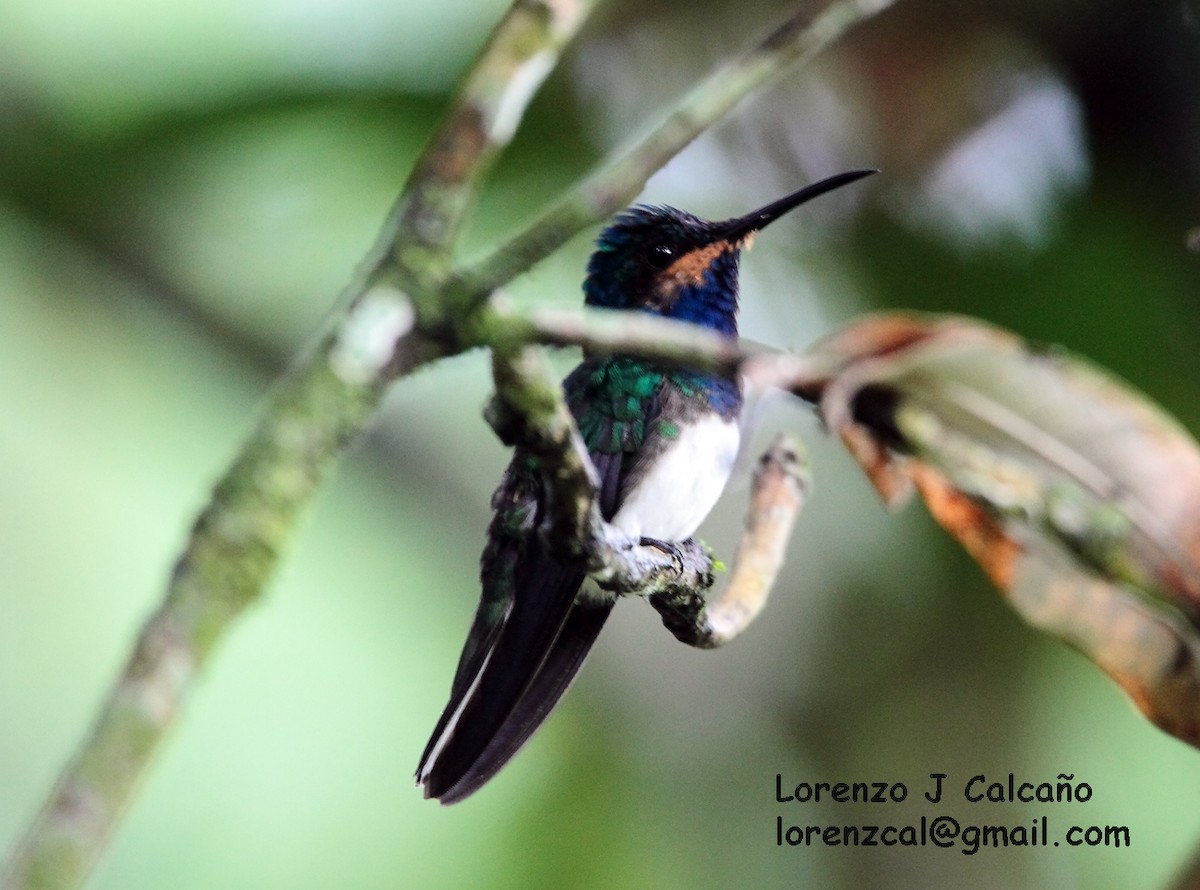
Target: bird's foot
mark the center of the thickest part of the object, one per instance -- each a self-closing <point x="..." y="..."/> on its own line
<point x="666" y="547"/>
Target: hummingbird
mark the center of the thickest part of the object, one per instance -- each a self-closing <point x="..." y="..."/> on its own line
<point x="662" y="439"/>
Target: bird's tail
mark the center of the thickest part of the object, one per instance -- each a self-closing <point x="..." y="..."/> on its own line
<point x="512" y="674"/>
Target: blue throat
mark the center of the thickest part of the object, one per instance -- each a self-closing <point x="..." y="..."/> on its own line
<point x="713" y="303"/>
<point x="722" y="394"/>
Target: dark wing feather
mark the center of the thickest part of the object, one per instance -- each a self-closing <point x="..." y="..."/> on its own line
<point x="529" y="638"/>
<point x="521" y="656"/>
<point x="496" y="696"/>
<point x="551" y="681"/>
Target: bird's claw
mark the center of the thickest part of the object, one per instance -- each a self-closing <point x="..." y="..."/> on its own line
<point x="665" y="547"/>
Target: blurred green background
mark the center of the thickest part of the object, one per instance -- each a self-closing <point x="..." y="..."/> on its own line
<point x="185" y="187"/>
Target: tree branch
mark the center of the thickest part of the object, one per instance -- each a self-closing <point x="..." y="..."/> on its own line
<point x="607" y="332"/>
<point x="421" y="230"/>
<point x="404" y="309"/>
<point x="619" y="180"/>
<point x="529" y="412"/>
<point x="780" y="487"/>
<point x="326" y="399"/>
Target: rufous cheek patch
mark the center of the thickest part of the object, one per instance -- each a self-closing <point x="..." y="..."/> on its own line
<point x="689" y="269"/>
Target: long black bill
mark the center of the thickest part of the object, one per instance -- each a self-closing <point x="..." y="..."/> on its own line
<point x="741" y="226"/>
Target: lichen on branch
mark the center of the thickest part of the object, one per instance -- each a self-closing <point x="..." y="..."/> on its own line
<point x="409" y="305"/>
<point x="530" y="413"/>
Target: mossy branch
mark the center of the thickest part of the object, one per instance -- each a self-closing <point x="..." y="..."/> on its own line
<point x="408" y="306"/>
<point x="323" y="402"/>
<point x="615" y="183"/>
<point x="530" y="413"/>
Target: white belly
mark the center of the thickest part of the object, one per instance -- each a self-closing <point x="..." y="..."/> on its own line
<point x="673" y="498"/>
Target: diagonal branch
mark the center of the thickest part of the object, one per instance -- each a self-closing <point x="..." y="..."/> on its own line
<point x="421" y="230"/>
<point x="619" y="180"/>
<point x="530" y="413"/>
<point x="323" y="402"/>
<point x="405" y="309"/>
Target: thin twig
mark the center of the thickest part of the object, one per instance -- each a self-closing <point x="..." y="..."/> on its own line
<point x="606" y="332"/>
<point x="617" y="182"/>
<point x="403" y="310"/>
<point x="423" y="226"/>
<point x="530" y="413"/>
<point x="780" y="487"/>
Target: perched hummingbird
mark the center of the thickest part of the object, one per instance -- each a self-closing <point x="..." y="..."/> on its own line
<point x="663" y="441"/>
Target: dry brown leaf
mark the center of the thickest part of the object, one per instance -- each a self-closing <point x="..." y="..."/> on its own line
<point x="1078" y="496"/>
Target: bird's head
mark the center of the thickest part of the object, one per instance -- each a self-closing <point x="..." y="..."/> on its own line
<point x="671" y="263"/>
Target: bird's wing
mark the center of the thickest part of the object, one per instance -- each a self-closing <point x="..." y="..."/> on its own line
<point x="529" y="638"/>
<point x="509" y="687"/>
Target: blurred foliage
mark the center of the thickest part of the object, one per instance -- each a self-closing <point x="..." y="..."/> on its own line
<point x="183" y="190"/>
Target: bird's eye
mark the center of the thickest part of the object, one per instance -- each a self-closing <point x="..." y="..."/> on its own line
<point x="660" y="255"/>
